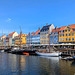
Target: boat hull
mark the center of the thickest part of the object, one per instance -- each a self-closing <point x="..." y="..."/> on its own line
<point x="1" y="50"/>
<point x="48" y="54"/>
<point x="73" y="57"/>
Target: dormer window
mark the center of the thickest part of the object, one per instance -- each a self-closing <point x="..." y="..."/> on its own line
<point x="62" y="31"/>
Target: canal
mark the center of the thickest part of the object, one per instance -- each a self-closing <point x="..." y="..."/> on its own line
<point x="11" y="64"/>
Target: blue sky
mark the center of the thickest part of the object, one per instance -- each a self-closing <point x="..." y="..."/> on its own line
<point x="32" y="14"/>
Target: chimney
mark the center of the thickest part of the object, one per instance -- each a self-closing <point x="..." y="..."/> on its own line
<point x="51" y="24"/>
<point x="39" y="28"/>
<point x="47" y="24"/>
<point x="56" y="27"/>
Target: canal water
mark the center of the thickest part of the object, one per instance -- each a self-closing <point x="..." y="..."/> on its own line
<point x="11" y="64"/>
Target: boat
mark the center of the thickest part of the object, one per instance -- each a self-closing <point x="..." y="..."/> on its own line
<point x="1" y="50"/>
<point x="67" y="58"/>
<point x="53" y="54"/>
<point x="73" y="56"/>
<point x="7" y="50"/>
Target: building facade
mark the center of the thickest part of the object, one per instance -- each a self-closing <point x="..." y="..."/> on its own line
<point x="10" y="37"/>
<point x="67" y="34"/>
<point x="23" y="39"/>
<point x="2" y="40"/>
<point x="44" y="33"/>
<point x="33" y="38"/>
<point x="54" y="36"/>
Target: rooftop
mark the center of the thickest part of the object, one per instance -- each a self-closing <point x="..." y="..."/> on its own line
<point x="56" y="30"/>
<point x="45" y="28"/>
<point x="72" y="26"/>
<point x="11" y="33"/>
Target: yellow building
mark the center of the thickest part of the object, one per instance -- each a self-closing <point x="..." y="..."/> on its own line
<point x="23" y="39"/>
<point x="67" y="34"/>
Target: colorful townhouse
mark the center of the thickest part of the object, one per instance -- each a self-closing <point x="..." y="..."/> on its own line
<point x="33" y="38"/>
<point x="54" y="36"/>
<point x="44" y="33"/>
<point x="23" y="39"/>
<point x="67" y="34"/>
<point x="9" y="38"/>
<point x="3" y="42"/>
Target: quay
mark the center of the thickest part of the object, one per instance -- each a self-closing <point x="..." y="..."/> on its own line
<point x="66" y="49"/>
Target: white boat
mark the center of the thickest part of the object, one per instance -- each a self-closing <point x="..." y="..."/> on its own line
<point x="53" y="54"/>
<point x="1" y="51"/>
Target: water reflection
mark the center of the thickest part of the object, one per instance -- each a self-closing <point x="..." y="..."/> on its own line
<point x="73" y="63"/>
<point x="11" y="64"/>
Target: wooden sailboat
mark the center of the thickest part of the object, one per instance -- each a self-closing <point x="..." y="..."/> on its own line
<point x="50" y="53"/>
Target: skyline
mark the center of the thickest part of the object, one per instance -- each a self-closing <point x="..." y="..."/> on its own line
<point x="31" y="14"/>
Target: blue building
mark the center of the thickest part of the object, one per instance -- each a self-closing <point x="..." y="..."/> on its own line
<point x="33" y="38"/>
<point x="54" y="36"/>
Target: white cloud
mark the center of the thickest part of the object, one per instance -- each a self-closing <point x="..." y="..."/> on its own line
<point x="8" y="20"/>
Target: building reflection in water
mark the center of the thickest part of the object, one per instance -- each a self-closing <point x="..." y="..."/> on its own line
<point x="11" y="64"/>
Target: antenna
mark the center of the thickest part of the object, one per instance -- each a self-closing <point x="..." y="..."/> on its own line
<point x="2" y="32"/>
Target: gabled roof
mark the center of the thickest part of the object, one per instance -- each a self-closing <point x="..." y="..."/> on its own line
<point x="62" y="28"/>
<point x="72" y="26"/>
<point x="45" y="28"/>
<point x="11" y="33"/>
<point x="3" y="35"/>
<point x="36" y="33"/>
<point x="56" y="30"/>
<point x="23" y="34"/>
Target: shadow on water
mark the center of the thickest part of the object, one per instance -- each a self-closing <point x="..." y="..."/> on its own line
<point x="73" y="63"/>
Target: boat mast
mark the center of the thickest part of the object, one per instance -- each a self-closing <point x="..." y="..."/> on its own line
<point x="8" y="39"/>
<point x="29" y="40"/>
<point x="2" y="39"/>
<point x="20" y="37"/>
<point x="49" y="39"/>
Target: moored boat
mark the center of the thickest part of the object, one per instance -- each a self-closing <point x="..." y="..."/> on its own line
<point x="53" y="54"/>
<point x="1" y="50"/>
<point x="73" y="56"/>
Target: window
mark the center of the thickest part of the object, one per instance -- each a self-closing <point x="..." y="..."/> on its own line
<point x="63" y="39"/>
<point x="69" y="34"/>
<point x="65" y="30"/>
<point x="55" y="36"/>
<point x="72" y="34"/>
<point x="60" y="39"/>
<point x="56" y="32"/>
<point x="62" y="31"/>
<point x="63" y="34"/>
<point x="66" y="39"/>
<point x="72" y="38"/>
<point x="68" y="29"/>
<point x="60" y="35"/>
<point x="66" y="34"/>
<point x="69" y="38"/>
